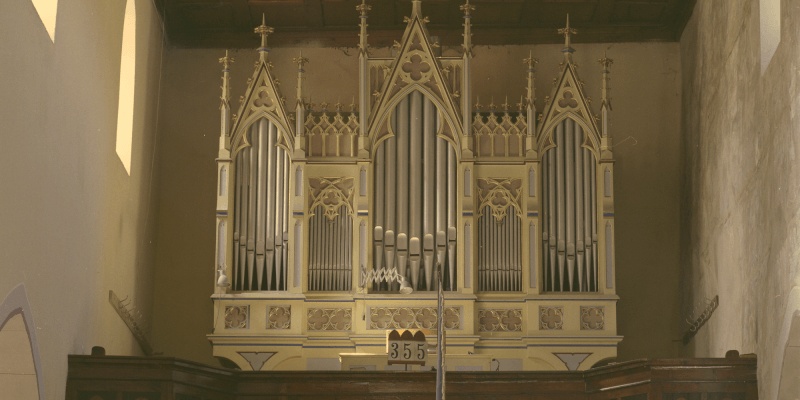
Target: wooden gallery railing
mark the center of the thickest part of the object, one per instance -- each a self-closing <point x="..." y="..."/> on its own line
<point x="164" y="378"/>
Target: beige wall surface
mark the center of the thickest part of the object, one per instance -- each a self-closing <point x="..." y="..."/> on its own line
<point x="644" y="123"/>
<point x="740" y="137"/>
<point x="75" y="225"/>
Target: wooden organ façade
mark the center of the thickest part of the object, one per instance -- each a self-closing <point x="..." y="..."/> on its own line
<point x="320" y="215"/>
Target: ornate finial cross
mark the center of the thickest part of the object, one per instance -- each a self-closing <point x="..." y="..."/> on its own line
<point x="225" y="61"/>
<point x="353" y="104"/>
<point x="300" y="61"/>
<point x="605" y="61"/>
<point x="521" y="104"/>
<point x="264" y="31"/>
<point x="362" y="44"/>
<point x="491" y="105"/>
<point x="478" y="103"/>
<point x="505" y="105"/>
<point x="567" y="32"/>
<point x="466" y="8"/>
<point x="531" y="61"/>
<point x="531" y="64"/>
<point x="363" y="8"/>
<point x="338" y="105"/>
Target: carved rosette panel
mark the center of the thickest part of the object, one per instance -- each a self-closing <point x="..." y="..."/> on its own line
<point x="551" y="318"/>
<point x="413" y="318"/>
<point x="330" y="193"/>
<point x="237" y="317"/>
<point x="593" y="318"/>
<point x="499" y="194"/>
<point x="329" y="319"/>
<point x="280" y="317"/>
<point x="495" y="320"/>
<point x="499" y="136"/>
<point x="416" y="65"/>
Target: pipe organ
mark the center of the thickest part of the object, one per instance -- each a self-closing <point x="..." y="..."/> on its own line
<point x="412" y="179"/>
<point x="261" y="208"/>
<point x="569" y="233"/>
<point x="415" y="199"/>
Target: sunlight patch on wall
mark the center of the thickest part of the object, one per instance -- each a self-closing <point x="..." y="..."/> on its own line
<point x="770" y="29"/>
<point x="127" y="84"/>
<point x="47" y="13"/>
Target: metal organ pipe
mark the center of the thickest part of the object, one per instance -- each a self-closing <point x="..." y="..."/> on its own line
<point x="278" y="227"/>
<point x="570" y="212"/>
<point x="237" y="190"/>
<point x="569" y="135"/>
<point x="415" y="181"/>
<point x="587" y="217"/>
<point x="261" y="210"/>
<point x="560" y="210"/>
<point x="271" y="203"/>
<point x="578" y="138"/>
<point x="287" y="165"/>
<point x="551" y="214"/>
<point x="255" y="177"/>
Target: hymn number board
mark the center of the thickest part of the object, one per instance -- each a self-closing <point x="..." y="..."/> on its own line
<point x="407" y="348"/>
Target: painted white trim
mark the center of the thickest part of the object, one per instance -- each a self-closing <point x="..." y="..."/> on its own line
<point x="16" y="302"/>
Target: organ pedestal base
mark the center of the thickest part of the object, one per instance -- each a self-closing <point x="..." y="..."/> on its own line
<point x="530" y="333"/>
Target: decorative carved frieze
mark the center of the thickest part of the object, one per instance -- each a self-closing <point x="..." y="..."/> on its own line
<point x="237" y="317"/>
<point x="592" y="318"/>
<point x="499" y="194"/>
<point x="280" y="317"/>
<point x="332" y="134"/>
<point x="551" y="318"/>
<point x="331" y="193"/>
<point x="499" y="135"/>
<point x="494" y="320"/>
<point x="329" y="319"/>
<point x="413" y="318"/>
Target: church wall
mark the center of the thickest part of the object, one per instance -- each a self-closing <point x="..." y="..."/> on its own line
<point x="75" y="224"/>
<point x="740" y="134"/>
<point x="646" y="103"/>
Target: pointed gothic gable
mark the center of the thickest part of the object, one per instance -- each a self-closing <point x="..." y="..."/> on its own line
<point x="262" y="99"/>
<point x="568" y="101"/>
<point x="415" y="68"/>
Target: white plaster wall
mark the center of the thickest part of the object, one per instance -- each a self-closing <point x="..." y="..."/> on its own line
<point x="740" y="137"/>
<point x="74" y="224"/>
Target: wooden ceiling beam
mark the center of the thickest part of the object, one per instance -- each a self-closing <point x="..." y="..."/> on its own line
<point x="313" y="9"/>
<point x="448" y="37"/>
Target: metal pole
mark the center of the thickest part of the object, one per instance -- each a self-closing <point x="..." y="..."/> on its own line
<point x="440" y="339"/>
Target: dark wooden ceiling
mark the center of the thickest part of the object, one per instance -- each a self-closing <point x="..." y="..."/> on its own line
<point x="230" y="23"/>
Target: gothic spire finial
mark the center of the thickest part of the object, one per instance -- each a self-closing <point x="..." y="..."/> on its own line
<point x="605" y="100"/>
<point x="363" y="8"/>
<point x="264" y="31"/>
<point x="567" y="32"/>
<point x="416" y="8"/>
<point x="300" y="61"/>
<point x="467" y="8"/>
<point x="531" y="80"/>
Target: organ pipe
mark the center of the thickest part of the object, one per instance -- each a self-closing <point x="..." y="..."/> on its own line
<point x="499" y="252"/>
<point x="261" y="211"/>
<point x="415" y="181"/>
<point x="569" y="223"/>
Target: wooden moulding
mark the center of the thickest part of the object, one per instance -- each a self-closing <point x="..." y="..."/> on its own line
<point x="647" y="379"/>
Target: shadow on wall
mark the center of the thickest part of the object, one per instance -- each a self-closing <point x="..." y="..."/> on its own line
<point x="20" y="364"/>
<point x="788" y="386"/>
